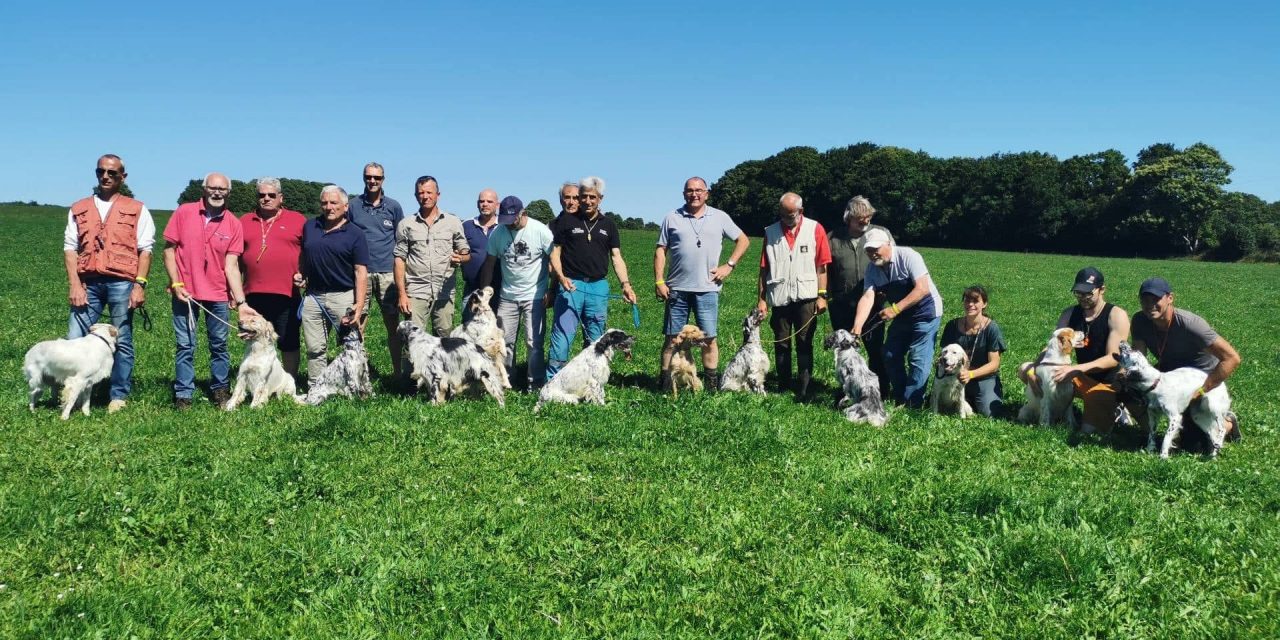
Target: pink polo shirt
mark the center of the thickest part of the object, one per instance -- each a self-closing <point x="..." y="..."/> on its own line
<point x="201" y="249"/>
<point x="271" y="251"/>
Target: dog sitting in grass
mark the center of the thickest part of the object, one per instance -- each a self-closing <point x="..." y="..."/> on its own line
<point x="1049" y="402"/>
<point x="76" y="364"/>
<point x="946" y="396"/>
<point x="746" y="371"/>
<point x="683" y="372"/>
<point x="483" y="329"/>
<point x="861" y="401"/>
<point x="347" y="375"/>
<point x="261" y="374"/>
<point x="583" y="379"/>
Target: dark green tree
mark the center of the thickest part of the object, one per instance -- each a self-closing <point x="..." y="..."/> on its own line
<point x="541" y="211"/>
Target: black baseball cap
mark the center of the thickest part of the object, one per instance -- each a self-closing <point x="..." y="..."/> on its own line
<point x="1087" y="280"/>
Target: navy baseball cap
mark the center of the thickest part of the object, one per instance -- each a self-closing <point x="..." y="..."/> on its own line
<point x="1088" y="279"/>
<point x="1158" y="287"/>
<point x="509" y="210"/>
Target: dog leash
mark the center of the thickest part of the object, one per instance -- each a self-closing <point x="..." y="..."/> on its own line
<point x="84" y="325"/>
<point x="355" y="326"/>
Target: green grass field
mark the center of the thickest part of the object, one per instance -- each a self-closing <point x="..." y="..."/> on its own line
<point x="718" y="515"/>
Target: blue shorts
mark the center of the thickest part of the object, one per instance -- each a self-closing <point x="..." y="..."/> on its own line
<point x="706" y="306"/>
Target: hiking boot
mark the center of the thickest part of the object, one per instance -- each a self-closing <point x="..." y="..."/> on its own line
<point x="182" y="404"/>
<point x="711" y="380"/>
<point x="220" y="397"/>
<point x="664" y="381"/>
<point x="116" y="405"/>
<point x="1233" y="423"/>
<point x="802" y="387"/>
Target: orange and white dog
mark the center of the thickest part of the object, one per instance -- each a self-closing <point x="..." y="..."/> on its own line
<point x="1049" y="402"/>
<point x="683" y="372"/>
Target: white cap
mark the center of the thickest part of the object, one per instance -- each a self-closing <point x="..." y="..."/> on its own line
<point x="876" y="238"/>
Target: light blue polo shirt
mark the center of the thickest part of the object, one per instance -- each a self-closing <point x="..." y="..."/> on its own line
<point x="523" y="257"/>
<point x="693" y="247"/>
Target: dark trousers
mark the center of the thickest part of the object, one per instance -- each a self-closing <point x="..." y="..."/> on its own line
<point x="786" y="321"/>
<point x="842" y="313"/>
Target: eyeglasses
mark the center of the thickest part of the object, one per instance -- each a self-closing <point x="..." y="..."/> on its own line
<point x="108" y="172"/>
<point x="694" y="192"/>
<point x="268" y="196"/>
<point x="1085" y="296"/>
<point x="218" y="189"/>
<point x="368" y="177"/>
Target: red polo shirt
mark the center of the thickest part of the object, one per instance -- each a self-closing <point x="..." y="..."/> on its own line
<point x="271" y="250"/>
<point x="202" y="247"/>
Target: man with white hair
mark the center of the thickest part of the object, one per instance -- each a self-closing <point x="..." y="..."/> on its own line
<point x="107" y="252"/>
<point x="202" y="256"/>
<point x="272" y="246"/>
<point x="584" y="247"/>
<point x="334" y="272"/>
<point x="478" y="230"/>
<point x="692" y="236"/>
<point x="915" y="309"/>
<point x="378" y="215"/>
<point x="793" y="281"/>
<point x="429" y="248"/>
<point x="845" y="276"/>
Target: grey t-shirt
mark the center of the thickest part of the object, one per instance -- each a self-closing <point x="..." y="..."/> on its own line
<point x="1184" y="345"/>
<point x="693" y="247"/>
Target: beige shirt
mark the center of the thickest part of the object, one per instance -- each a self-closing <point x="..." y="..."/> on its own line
<point x="426" y="250"/>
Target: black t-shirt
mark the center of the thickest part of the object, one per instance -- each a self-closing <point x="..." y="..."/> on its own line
<point x="585" y="246"/>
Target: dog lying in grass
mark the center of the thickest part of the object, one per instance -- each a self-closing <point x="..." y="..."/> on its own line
<point x="261" y="374"/>
<point x="583" y="379"/>
<point x="1049" y="402"/>
<point x="683" y="372"/>
<point x="1170" y="394"/>
<point x="947" y="394"/>
<point x="749" y="365"/>
<point x="861" y="401"/>
<point x="76" y="364"/>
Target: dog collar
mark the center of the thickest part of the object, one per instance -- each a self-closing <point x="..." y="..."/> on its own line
<point x="104" y="341"/>
<point x="1153" y="385"/>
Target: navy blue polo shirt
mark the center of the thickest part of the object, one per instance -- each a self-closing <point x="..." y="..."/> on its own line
<point x="478" y="240"/>
<point x="379" y="224"/>
<point x="329" y="259"/>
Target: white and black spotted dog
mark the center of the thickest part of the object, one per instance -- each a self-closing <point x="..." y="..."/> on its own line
<point x="584" y="377"/>
<point x="861" y="402"/>
<point x="747" y="368"/>
<point x="446" y="367"/>
<point x="347" y="375"/>
<point x="483" y="330"/>
<point x="76" y="364"/>
<point x="1169" y="394"/>
<point x="1049" y="402"/>
<point x="261" y="375"/>
<point x="947" y="394"/>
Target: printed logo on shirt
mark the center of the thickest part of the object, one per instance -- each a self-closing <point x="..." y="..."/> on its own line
<point x="388" y="224"/>
<point x="804" y="249"/>
<point x="577" y="230"/>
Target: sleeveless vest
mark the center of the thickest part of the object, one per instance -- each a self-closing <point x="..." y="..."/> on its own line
<point x="108" y="247"/>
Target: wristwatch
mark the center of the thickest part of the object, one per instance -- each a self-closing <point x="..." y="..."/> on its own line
<point x="732" y="264"/>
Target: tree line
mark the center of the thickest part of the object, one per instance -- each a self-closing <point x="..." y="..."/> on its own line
<point x="1168" y="202"/>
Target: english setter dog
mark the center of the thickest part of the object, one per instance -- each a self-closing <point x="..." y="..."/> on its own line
<point x="861" y="402"/>
<point x="483" y="330"/>
<point x="947" y="393"/>
<point x="1169" y="394"/>
<point x="446" y="367"/>
<point x="261" y="373"/>
<point x="347" y="375"/>
<point x="1049" y="402"/>
<point x="746" y="371"/>
<point x="76" y="364"/>
<point x="683" y="372"/>
<point x="583" y="379"/>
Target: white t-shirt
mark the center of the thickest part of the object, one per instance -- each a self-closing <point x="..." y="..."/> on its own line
<point x="146" y="227"/>
<point x="523" y="256"/>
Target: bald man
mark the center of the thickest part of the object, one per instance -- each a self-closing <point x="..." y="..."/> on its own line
<point x="477" y="231"/>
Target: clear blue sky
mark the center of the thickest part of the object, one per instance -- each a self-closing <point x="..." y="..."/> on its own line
<point x="522" y="96"/>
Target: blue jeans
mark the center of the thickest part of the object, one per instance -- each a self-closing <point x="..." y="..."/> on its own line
<point x="114" y="293"/>
<point x="908" y="356"/>
<point x="184" y="383"/>
<point x="587" y="305"/>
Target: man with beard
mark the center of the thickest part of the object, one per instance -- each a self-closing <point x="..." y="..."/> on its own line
<point x="107" y="251"/>
<point x="478" y="231"/>
<point x="334" y="270"/>
<point x="793" y="281"/>
<point x="1104" y="326"/>
<point x="202" y="256"/>
<point x="915" y="309"/>
<point x="378" y="216"/>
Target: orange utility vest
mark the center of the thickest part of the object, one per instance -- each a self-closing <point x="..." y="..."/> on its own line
<point x="108" y="247"/>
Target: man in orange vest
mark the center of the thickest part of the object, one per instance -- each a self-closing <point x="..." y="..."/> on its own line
<point x="107" y="250"/>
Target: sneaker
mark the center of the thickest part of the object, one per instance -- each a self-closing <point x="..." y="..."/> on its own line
<point x="1233" y="434"/>
<point x="221" y="397"/>
<point x="182" y="404"/>
<point x="116" y="405"/>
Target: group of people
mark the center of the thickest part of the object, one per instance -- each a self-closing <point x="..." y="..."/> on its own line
<point x="364" y="251"/>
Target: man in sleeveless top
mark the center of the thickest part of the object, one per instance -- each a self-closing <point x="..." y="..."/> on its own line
<point x="1179" y="338"/>
<point x="793" y="281"/>
<point x="1093" y="377"/>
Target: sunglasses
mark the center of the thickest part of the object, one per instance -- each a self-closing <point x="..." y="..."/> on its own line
<point x="108" y="172"/>
<point x="268" y="196"/>
<point x="374" y="178"/>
